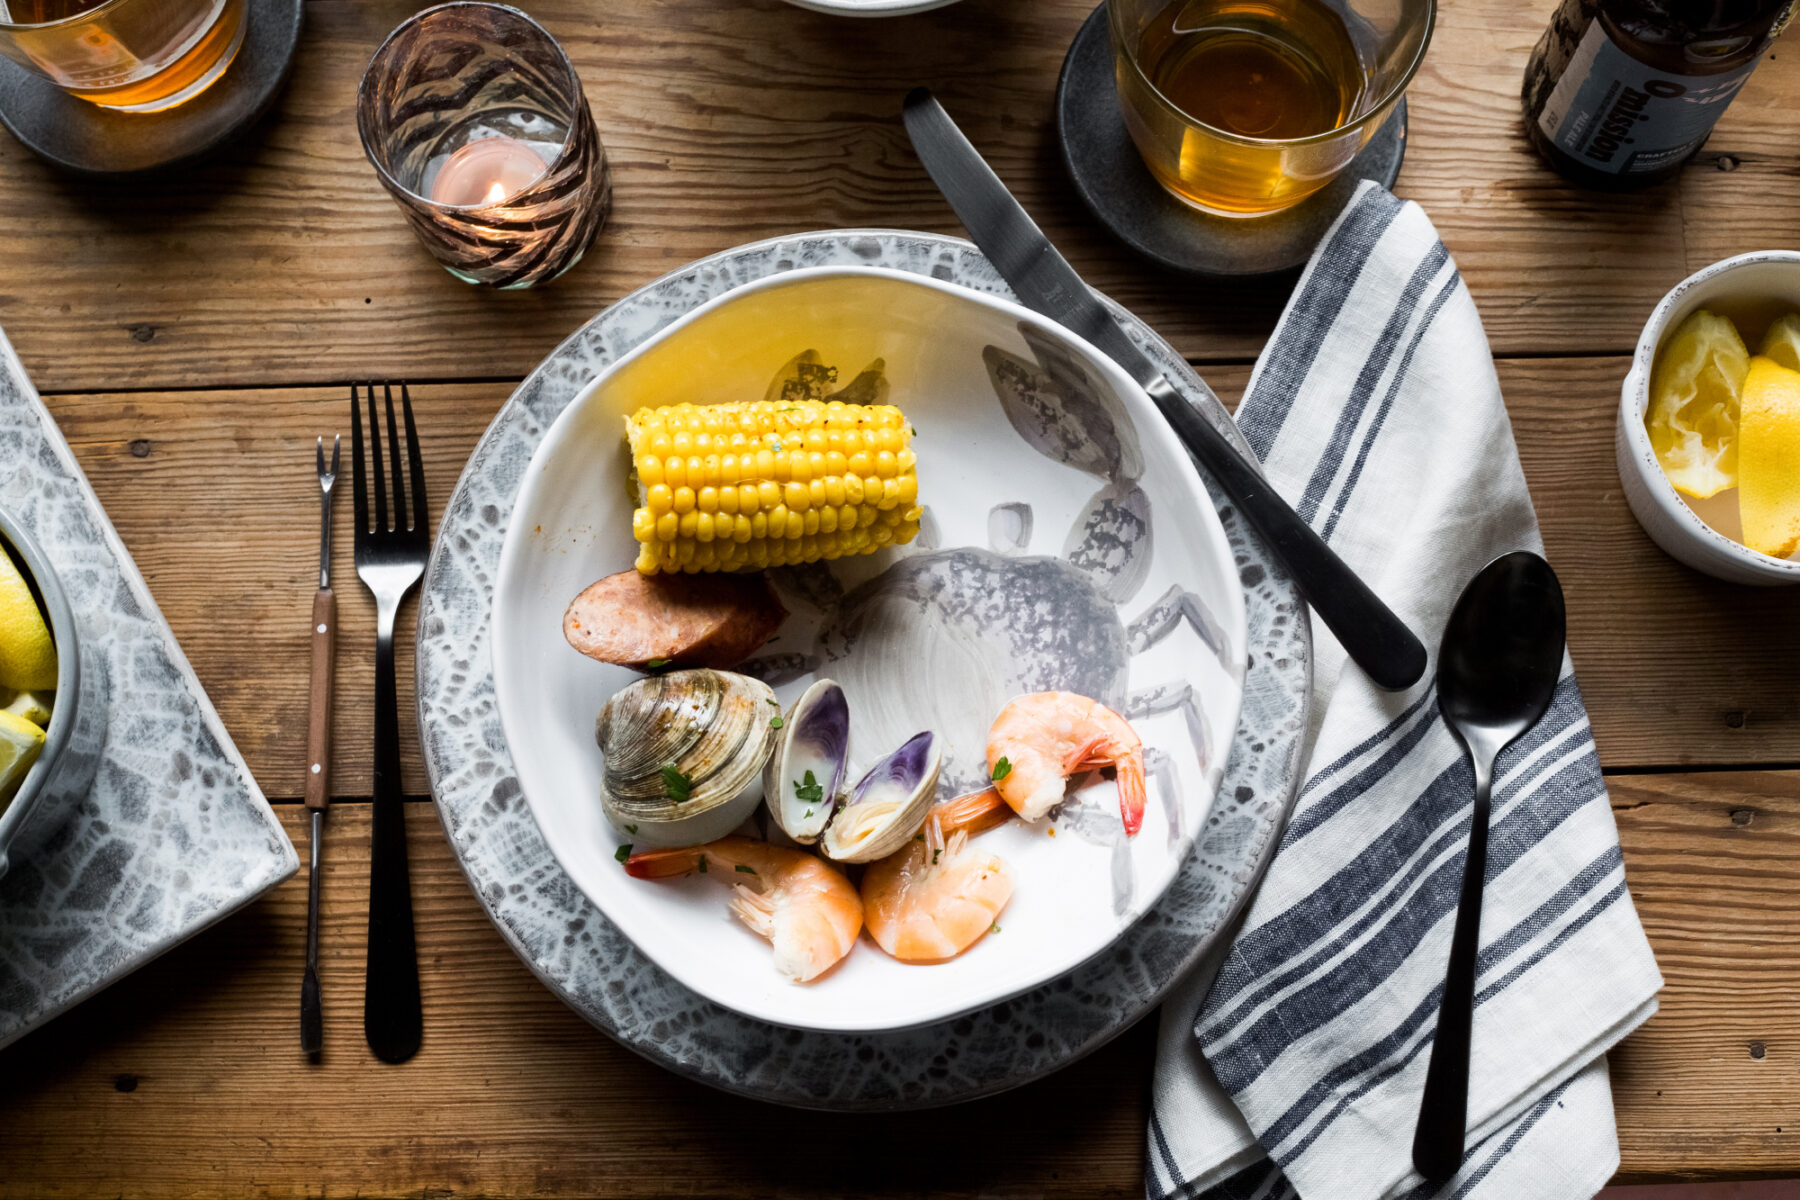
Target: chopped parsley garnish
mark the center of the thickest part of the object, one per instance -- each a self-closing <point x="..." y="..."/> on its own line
<point x="656" y="664"/>
<point x="918" y="837"/>
<point x="776" y="722"/>
<point x="994" y="928"/>
<point x="678" y="786"/>
<point x="631" y="829"/>
<point x="811" y="790"/>
<point x="776" y="703"/>
<point x="808" y="813"/>
<point x="747" y="870"/>
<point x="1002" y="769"/>
<point x="934" y="857"/>
<point x="623" y="852"/>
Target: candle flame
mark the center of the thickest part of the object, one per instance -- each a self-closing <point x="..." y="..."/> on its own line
<point x="496" y="193"/>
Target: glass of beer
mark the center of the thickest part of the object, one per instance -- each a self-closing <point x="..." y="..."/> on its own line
<point x="129" y="55"/>
<point x="1246" y="107"/>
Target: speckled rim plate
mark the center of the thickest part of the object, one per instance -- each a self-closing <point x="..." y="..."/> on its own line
<point x="565" y="940"/>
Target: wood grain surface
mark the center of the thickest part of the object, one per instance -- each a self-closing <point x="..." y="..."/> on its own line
<point x="186" y="1079"/>
<point x="732" y="120"/>
<point x="193" y="330"/>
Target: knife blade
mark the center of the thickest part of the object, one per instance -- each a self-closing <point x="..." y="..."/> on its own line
<point x="1371" y="634"/>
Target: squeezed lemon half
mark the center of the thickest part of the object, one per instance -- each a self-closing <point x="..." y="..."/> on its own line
<point x="1769" y="453"/>
<point x="1695" y="389"/>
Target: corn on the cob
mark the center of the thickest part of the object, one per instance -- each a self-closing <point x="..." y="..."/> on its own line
<point x="743" y="486"/>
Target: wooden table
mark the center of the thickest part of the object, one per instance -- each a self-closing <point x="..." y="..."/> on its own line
<point x="191" y="335"/>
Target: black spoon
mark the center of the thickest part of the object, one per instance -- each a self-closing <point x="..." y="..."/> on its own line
<point x="1497" y="669"/>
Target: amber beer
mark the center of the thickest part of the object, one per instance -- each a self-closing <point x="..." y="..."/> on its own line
<point x="1620" y="93"/>
<point x="131" y="55"/>
<point x="1264" y="71"/>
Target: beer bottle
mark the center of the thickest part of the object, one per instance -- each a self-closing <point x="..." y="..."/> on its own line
<point x="1619" y="93"/>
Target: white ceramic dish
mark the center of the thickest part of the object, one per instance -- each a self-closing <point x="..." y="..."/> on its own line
<point x="1069" y="543"/>
<point x="1770" y="277"/>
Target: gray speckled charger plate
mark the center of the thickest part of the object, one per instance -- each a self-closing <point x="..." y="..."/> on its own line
<point x="174" y="833"/>
<point x="580" y="956"/>
<point x="1119" y="190"/>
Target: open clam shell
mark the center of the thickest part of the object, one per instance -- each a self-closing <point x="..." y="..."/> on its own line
<point x="684" y="754"/>
<point x="888" y="805"/>
<point x="806" y="771"/>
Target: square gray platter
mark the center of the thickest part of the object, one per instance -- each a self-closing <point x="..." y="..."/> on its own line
<point x="174" y="834"/>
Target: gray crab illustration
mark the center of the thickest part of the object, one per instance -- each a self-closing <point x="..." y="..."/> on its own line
<point x="956" y="633"/>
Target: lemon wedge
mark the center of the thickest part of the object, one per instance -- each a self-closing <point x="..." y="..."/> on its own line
<point x="33" y="706"/>
<point x="1693" y="412"/>
<point x="1769" y="458"/>
<point x="27" y="655"/>
<point x="1782" y="342"/>
<point x="20" y="744"/>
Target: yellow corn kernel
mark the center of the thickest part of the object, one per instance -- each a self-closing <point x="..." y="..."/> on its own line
<point x="744" y="486"/>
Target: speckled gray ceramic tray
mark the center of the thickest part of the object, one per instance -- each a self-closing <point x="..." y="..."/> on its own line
<point x="585" y="960"/>
<point x="174" y="833"/>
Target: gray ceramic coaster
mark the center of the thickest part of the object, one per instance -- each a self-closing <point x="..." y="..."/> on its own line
<point x="174" y="833"/>
<point x="89" y="140"/>
<point x="1119" y="190"/>
<point x="580" y="956"/>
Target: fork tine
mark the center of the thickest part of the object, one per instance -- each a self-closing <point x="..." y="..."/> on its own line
<point x="320" y="450"/>
<point x="400" y="523"/>
<point x="337" y="444"/>
<point x="356" y="465"/>
<point x="381" y="511"/>
<point x="421" y="513"/>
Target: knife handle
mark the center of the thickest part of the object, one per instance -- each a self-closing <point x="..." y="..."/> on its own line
<point x="1374" y="638"/>
<point x="318" y="708"/>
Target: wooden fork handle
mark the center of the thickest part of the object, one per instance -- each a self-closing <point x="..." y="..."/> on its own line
<point x="318" y="708"/>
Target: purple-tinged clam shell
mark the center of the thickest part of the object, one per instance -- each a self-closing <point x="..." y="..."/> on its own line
<point x="806" y="773"/>
<point x="888" y="804"/>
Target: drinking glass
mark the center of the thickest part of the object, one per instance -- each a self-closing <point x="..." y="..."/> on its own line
<point x="476" y="124"/>
<point x="1294" y="89"/>
<point x="129" y="55"/>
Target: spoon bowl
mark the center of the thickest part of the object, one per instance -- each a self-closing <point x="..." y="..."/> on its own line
<point x="1497" y="671"/>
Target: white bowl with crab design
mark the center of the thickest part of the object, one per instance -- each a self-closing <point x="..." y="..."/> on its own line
<point x="1068" y="544"/>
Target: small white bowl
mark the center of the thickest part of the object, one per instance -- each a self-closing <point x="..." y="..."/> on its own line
<point x="1763" y="276"/>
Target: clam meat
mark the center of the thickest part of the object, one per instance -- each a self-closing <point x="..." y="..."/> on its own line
<point x="804" y="784"/>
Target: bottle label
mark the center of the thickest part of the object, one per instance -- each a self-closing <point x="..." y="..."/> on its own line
<point x="1614" y="114"/>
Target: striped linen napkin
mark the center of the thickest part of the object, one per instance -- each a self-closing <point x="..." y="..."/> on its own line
<point x="1294" y="1066"/>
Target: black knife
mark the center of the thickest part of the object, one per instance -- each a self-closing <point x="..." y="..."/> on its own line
<point x="1377" y="640"/>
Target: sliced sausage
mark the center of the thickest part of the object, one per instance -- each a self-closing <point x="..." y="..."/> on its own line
<point x="716" y="620"/>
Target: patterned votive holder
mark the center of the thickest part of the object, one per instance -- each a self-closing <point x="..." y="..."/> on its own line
<point x="477" y="126"/>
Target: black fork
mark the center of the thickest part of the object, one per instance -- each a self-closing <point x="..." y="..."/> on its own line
<point x="390" y="558"/>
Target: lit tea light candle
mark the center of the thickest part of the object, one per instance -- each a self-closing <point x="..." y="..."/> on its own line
<point x="487" y="172"/>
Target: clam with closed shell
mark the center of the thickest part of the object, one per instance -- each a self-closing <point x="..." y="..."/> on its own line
<point x="804" y="783"/>
<point x="684" y="754"/>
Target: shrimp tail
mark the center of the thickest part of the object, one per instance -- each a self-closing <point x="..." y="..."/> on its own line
<point x="661" y="864"/>
<point x="1131" y="793"/>
<point x="976" y="812"/>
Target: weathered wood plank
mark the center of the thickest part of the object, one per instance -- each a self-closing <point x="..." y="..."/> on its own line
<point x="214" y="494"/>
<point x="514" y="1095"/>
<point x="1707" y="1086"/>
<point x="187" y="1080"/>
<point x="285" y="262"/>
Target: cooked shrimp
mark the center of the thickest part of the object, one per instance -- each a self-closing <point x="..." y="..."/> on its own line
<point x="802" y="905"/>
<point x="1048" y="736"/>
<point x="932" y="900"/>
